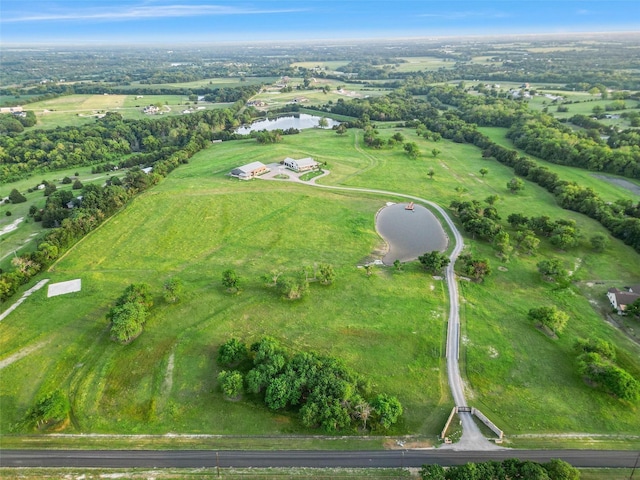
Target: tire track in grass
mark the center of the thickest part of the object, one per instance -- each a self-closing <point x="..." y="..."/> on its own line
<point x="5" y="362"/>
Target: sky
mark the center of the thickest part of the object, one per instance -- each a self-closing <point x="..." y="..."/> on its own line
<point x="231" y="21"/>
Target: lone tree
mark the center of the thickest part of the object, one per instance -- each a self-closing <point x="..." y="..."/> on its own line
<point x="231" y="280"/>
<point x="172" y="290"/>
<point x="552" y="270"/>
<point x="434" y="262"/>
<point x="231" y="383"/>
<point x="16" y="197"/>
<point x="231" y="353"/>
<point x="431" y="173"/>
<point x="599" y="242"/>
<point x="326" y="274"/>
<point x="549" y="317"/>
<point x="323" y="122"/>
<point x="515" y="185"/>
<point x="292" y="287"/>
<point x="412" y="150"/>
<point x="50" y="410"/>
<point x="342" y="129"/>
<point x="476" y="268"/>
<point x="130" y="312"/>
<point x="484" y="171"/>
<point x="435" y="152"/>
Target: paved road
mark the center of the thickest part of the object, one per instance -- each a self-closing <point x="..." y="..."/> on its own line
<point x="300" y="458"/>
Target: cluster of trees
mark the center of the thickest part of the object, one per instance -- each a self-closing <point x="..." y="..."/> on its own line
<point x="561" y="233"/>
<point x="266" y="137"/>
<point x="291" y="285"/>
<point x="434" y="262"/>
<point x="511" y="468"/>
<point x="10" y="123"/>
<point x="597" y="364"/>
<point x="478" y="220"/>
<point x="130" y="312"/>
<point x="323" y="392"/>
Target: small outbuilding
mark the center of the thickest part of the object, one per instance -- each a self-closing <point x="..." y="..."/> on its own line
<point x="249" y="171"/>
<point x="302" y="165"/>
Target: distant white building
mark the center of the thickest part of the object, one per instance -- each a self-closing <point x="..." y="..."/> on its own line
<point x="302" y="165"/>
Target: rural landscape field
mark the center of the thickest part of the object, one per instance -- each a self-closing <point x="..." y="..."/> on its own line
<point x="232" y="289"/>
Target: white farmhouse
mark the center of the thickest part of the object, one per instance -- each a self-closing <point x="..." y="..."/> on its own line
<point x="302" y="165"/>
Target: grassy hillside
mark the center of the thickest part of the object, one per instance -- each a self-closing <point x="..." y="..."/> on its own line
<point x="389" y="327"/>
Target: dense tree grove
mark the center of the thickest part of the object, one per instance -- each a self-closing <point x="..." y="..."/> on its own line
<point x="511" y="468"/>
<point x="323" y="392"/>
<point x="543" y="136"/>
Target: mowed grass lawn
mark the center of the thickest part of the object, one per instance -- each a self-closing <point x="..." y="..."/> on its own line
<point x="389" y="327"/>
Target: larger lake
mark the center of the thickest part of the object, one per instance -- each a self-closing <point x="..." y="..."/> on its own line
<point x="409" y="233"/>
<point x="300" y="121"/>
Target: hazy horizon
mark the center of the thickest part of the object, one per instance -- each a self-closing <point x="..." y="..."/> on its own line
<point x="143" y="22"/>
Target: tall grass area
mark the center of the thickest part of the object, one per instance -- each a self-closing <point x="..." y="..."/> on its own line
<point x="390" y="327"/>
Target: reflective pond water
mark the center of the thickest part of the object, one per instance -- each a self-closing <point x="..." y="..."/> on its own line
<point x="299" y="121"/>
<point x="409" y="233"/>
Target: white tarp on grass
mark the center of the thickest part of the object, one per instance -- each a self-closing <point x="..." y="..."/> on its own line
<point x="63" y="288"/>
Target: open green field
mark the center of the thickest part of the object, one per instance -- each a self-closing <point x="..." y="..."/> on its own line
<point x="389" y="327"/>
<point x="421" y="64"/>
<point x="25" y="237"/>
<point x="330" y="65"/>
<point x="72" y="110"/>
<point x="275" y="98"/>
<point x="218" y="82"/>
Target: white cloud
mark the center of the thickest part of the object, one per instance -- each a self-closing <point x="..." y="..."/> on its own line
<point x="142" y="12"/>
<point x="460" y="15"/>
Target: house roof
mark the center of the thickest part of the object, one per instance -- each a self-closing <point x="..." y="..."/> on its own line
<point x="635" y="288"/>
<point x="303" y="162"/>
<point x="248" y="168"/>
<point x="624" y="298"/>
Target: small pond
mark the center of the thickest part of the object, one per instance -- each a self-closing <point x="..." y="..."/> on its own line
<point x="409" y="233"/>
<point x="299" y="121"/>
